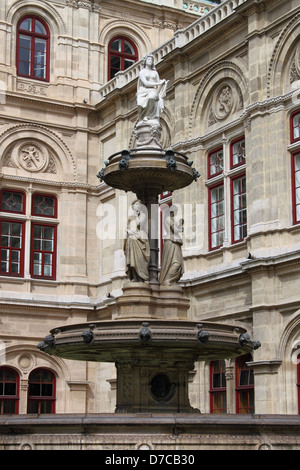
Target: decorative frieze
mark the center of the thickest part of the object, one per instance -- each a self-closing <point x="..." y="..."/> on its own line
<point x="87" y="4"/>
<point x="32" y="88"/>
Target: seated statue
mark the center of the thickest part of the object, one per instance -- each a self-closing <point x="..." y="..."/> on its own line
<point x="136" y="246"/>
<point x="150" y="91"/>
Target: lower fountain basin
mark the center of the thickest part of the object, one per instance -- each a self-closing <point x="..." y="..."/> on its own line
<point x="105" y="341"/>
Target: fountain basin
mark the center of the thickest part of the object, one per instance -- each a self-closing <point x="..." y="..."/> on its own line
<point x="153" y="358"/>
<point x="144" y="168"/>
<point x="104" y="341"/>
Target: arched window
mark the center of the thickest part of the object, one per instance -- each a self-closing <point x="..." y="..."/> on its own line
<point x="33" y="41"/>
<point x="41" y="393"/>
<point x="244" y="386"/>
<point x="9" y="391"/>
<point x="217" y="387"/>
<point x="122" y="53"/>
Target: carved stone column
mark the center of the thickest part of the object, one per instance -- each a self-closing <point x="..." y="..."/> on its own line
<point x="230" y="388"/>
<point x="24" y="386"/>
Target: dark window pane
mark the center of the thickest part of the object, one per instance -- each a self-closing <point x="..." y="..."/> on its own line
<point x="128" y="48"/>
<point x="44" y="205"/>
<point x="39" y="28"/>
<point x="128" y="63"/>
<point x="244" y="377"/>
<point x="34" y="390"/>
<point x="116" y="45"/>
<point x="12" y="202"/>
<point x="115" y="62"/>
<point x="216" y="381"/>
<point x="26" y="24"/>
<point x="47" y="390"/>
<point x="10" y="389"/>
<point x="9" y="407"/>
<point x="33" y="406"/>
<point x="46" y="407"/>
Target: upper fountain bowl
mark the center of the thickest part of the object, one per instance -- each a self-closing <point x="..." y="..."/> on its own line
<point x="150" y="168"/>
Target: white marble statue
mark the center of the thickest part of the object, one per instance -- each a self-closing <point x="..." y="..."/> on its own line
<point x="150" y="91"/>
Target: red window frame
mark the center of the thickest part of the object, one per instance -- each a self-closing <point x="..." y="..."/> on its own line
<point x="4" y="398"/>
<point x="12" y="191"/>
<point x="239" y="210"/>
<point x="12" y="249"/>
<point x="210" y="164"/>
<point x="292" y="127"/>
<point x="37" y="401"/>
<point x="33" y="35"/>
<point x="243" y="159"/>
<point x="295" y="188"/>
<point x="217" y="393"/>
<point x="244" y="392"/>
<point x="45" y="196"/>
<point x="122" y="55"/>
<point x="43" y="252"/>
<point x="210" y="218"/>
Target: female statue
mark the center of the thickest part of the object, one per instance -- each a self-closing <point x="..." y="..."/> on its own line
<point x="172" y="260"/>
<point x="150" y="91"/>
<point x="136" y="246"/>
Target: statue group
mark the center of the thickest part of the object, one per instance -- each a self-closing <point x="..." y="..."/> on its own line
<point x="150" y="95"/>
<point x="137" y="248"/>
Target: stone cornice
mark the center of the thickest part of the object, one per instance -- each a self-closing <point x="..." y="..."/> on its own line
<point x="281" y="261"/>
<point x="47" y="102"/>
<point x="71" y="185"/>
<point x="260" y="107"/>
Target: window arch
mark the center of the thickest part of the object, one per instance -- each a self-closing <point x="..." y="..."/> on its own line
<point x="122" y="53"/>
<point x="9" y="391"/>
<point x="244" y="386"/>
<point x="33" y="48"/>
<point x="41" y="392"/>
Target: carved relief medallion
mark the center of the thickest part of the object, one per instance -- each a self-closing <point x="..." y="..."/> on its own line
<point x="32" y="158"/>
<point x="224" y="101"/>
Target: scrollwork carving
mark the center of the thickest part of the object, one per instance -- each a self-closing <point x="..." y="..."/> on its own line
<point x="295" y="68"/>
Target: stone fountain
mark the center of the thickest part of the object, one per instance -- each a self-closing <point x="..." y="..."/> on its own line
<point x="150" y="339"/>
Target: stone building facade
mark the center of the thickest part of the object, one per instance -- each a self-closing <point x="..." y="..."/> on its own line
<point x="232" y="106"/>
